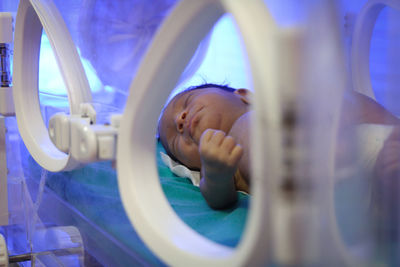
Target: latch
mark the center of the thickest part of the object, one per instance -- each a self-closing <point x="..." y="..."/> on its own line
<point x="82" y="138"/>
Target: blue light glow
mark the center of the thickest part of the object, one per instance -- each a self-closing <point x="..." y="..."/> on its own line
<point x="225" y="61"/>
<point x="50" y="79"/>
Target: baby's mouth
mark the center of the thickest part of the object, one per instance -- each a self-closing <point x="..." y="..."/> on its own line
<point x="193" y="123"/>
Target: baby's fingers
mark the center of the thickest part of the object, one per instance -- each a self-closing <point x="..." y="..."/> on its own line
<point x="214" y="137"/>
<point x="233" y="150"/>
<point x="206" y="135"/>
<point x="235" y="155"/>
<point x="217" y="138"/>
<point x="228" y="143"/>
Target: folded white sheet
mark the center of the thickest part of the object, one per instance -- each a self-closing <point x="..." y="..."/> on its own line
<point x="181" y="170"/>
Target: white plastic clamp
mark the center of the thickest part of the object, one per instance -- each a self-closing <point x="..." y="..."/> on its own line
<point x="84" y="140"/>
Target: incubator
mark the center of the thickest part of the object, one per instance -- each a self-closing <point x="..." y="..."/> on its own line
<point x="84" y="180"/>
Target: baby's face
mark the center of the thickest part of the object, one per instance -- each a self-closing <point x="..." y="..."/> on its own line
<point x="190" y="113"/>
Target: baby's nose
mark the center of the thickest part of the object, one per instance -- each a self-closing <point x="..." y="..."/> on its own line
<point x="180" y="121"/>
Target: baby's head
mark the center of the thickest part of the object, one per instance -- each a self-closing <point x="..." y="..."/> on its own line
<point x="194" y="110"/>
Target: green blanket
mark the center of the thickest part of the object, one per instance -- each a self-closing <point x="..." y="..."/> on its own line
<point x="93" y="190"/>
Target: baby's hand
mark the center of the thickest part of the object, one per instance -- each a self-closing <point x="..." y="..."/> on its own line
<point x="219" y="155"/>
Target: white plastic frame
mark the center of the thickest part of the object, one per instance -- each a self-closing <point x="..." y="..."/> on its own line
<point x="141" y="193"/>
<point x="32" y="17"/>
<point x="362" y="43"/>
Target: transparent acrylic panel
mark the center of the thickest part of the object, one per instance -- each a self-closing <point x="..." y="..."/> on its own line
<point x="68" y="218"/>
<point x="367" y="206"/>
<point x="112" y="38"/>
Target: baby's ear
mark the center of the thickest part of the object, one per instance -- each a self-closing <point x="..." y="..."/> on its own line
<point x="245" y="95"/>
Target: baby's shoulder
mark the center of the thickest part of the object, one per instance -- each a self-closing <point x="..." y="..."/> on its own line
<point x="240" y="132"/>
<point x="240" y="129"/>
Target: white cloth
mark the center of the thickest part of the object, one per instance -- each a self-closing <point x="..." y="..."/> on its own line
<point x="181" y="170"/>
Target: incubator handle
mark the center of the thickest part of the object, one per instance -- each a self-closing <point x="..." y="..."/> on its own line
<point x="361" y="44"/>
<point x="174" y="45"/>
<point x="32" y="17"/>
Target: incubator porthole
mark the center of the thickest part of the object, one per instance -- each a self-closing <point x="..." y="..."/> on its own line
<point x="384" y="70"/>
<point x="364" y="189"/>
<point x="173" y="46"/>
<point x="222" y="69"/>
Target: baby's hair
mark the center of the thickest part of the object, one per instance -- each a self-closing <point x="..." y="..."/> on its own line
<point x="210" y="85"/>
<point x="191" y="88"/>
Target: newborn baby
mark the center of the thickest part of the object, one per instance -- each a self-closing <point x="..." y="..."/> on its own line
<point x="207" y="128"/>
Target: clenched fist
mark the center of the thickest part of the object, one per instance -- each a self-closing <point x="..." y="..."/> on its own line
<point x="219" y="155"/>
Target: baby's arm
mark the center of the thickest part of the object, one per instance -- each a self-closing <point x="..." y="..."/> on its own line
<point x="220" y="156"/>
